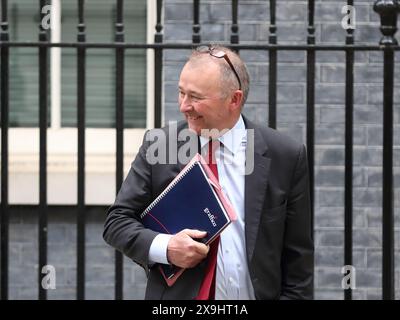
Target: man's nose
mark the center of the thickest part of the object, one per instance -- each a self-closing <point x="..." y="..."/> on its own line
<point x="185" y="104"/>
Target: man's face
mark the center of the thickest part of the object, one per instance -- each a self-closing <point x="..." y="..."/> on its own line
<point x="201" y="99"/>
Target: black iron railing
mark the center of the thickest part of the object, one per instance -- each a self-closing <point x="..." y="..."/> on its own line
<point x="388" y="11"/>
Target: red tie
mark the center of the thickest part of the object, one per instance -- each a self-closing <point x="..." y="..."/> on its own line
<point x="207" y="288"/>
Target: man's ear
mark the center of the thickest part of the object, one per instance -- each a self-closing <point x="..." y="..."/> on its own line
<point x="236" y="100"/>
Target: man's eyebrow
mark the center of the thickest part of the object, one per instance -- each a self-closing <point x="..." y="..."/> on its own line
<point x="191" y="92"/>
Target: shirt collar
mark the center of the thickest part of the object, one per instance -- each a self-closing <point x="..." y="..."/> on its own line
<point x="232" y="139"/>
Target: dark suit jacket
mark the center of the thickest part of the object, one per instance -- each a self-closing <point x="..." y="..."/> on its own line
<point x="277" y="219"/>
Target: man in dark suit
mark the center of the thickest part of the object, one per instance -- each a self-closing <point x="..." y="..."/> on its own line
<point x="268" y="252"/>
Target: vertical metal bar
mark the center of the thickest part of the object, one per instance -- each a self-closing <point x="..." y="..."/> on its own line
<point x="311" y="104"/>
<point x="388" y="207"/>
<point x="272" y="80"/>
<point x="388" y="11"/>
<point x="196" y="38"/>
<point x="348" y="198"/>
<point x="43" y="80"/>
<point x="235" y="26"/>
<point x="81" y="218"/>
<point x="158" y="55"/>
<point x="119" y="117"/>
<point x="4" y="100"/>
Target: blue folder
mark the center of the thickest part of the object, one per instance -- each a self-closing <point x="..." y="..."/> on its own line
<point x="189" y="202"/>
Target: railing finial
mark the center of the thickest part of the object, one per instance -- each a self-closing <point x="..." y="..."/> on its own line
<point x="388" y="10"/>
<point x="4" y="21"/>
<point x="158" y="37"/>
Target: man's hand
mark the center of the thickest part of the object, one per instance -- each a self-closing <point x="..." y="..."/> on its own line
<point x="185" y="252"/>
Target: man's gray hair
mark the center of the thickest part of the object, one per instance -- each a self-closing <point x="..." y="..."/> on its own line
<point x="229" y="82"/>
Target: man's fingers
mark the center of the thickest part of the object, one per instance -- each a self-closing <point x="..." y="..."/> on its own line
<point x="203" y="249"/>
<point x="183" y="249"/>
<point x="200" y="248"/>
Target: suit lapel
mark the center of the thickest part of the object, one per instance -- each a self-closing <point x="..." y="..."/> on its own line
<point x="255" y="187"/>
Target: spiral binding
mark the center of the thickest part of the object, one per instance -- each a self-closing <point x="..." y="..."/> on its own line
<point x="162" y="194"/>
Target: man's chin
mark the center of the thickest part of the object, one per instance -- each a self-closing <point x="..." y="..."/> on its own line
<point x="194" y="126"/>
<point x="194" y="129"/>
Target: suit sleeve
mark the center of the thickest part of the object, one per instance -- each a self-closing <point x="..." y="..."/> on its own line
<point x="298" y="251"/>
<point x="123" y="229"/>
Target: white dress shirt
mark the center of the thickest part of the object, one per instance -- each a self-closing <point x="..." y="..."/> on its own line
<point x="232" y="277"/>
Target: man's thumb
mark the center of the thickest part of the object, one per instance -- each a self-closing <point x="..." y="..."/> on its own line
<point x="195" y="233"/>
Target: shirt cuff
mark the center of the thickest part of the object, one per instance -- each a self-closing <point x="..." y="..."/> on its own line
<point x="158" y="249"/>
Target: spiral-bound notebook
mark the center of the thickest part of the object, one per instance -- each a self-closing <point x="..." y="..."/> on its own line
<point x="193" y="200"/>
